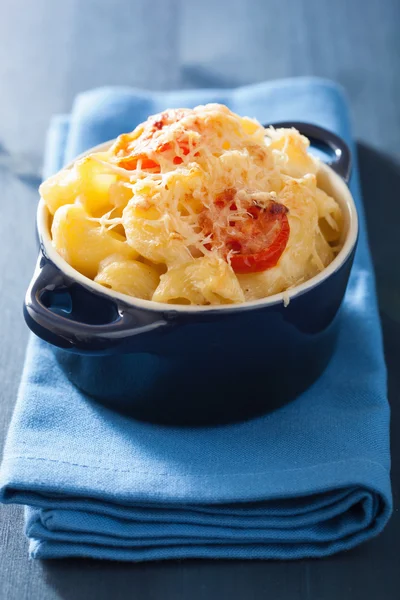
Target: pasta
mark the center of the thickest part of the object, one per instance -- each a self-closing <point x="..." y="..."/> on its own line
<point x="207" y="280"/>
<point x="129" y="277"/>
<point x="196" y="206"/>
<point x="83" y="243"/>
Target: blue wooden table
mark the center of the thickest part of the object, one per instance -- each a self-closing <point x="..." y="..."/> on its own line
<point x="51" y="50"/>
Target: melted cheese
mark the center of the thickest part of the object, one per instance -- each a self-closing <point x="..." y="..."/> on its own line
<point x="155" y="184"/>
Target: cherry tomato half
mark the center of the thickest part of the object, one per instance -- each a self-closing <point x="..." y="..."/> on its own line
<point x="257" y="242"/>
<point x="147" y="141"/>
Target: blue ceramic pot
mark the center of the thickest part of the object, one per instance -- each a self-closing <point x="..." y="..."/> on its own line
<point x="188" y="364"/>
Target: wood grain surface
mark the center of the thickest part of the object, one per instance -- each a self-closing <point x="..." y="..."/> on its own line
<point x="50" y="51"/>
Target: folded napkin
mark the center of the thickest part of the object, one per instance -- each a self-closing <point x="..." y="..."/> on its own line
<point x="307" y="480"/>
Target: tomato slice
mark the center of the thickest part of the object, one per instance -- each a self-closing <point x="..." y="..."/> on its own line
<point x="277" y="229"/>
<point x="130" y="162"/>
<point x="172" y="115"/>
<point x="148" y="141"/>
<point x="256" y="243"/>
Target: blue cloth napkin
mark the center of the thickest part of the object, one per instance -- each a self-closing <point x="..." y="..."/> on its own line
<point x="308" y="480"/>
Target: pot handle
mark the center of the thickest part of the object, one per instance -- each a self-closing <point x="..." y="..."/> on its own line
<point x="325" y="140"/>
<point x="69" y="316"/>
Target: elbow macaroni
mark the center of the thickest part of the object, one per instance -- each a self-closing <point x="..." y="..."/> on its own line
<point x="83" y="242"/>
<point x="202" y="281"/>
<point x="164" y="213"/>
<point x="129" y="277"/>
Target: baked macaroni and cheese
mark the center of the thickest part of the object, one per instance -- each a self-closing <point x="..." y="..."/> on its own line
<point x="196" y="206"/>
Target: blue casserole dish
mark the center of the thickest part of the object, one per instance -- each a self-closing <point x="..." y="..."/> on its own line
<point x="195" y="365"/>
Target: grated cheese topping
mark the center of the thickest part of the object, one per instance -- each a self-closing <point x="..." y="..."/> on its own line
<point x="181" y="191"/>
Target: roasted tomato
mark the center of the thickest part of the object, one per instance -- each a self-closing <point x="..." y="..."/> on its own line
<point x="148" y="139"/>
<point x="254" y="243"/>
